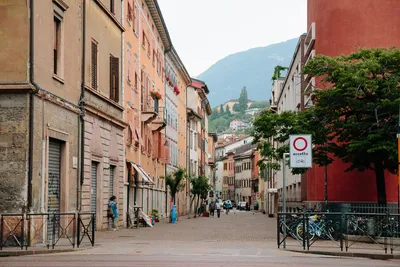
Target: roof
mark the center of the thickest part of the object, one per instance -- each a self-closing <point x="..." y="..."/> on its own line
<point x="232" y="142"/>
<point x="179" y="64"/>
<point x="159" y="22"/>
<point x="200" y="85"/>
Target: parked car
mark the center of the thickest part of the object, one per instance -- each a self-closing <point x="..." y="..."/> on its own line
<point x="241" y="206"/>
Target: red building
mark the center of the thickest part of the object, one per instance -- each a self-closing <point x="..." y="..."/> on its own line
<point x="341" y="27"/>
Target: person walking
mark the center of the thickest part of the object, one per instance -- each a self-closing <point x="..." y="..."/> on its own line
<point x="112" y="213"/>
<point x="218" y="207"/>
<point x="211" y="207"/>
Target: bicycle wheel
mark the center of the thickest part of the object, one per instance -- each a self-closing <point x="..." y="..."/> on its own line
<point x="299" y="232"/>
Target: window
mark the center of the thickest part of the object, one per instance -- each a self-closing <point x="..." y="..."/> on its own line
<point x="112" y="6"/>
<point x="225" y="166"/>
<point x="94" y="65"/>
<point x="57" y="45"/>
<point x="114" y="78"/>
<point x="144" y="40"/>
<point x="130" y="13"/>
<point x="136" y="20"/>
<point x="129" y="63"/>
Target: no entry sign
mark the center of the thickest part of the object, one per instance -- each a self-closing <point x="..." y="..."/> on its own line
<point x="300" y="151"/>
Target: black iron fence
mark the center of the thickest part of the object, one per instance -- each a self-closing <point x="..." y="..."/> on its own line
<point x="342" y="230"/>
<point x="46" y="229"/>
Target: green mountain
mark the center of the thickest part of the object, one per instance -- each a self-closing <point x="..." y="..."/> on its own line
<point x="252" y="68"/>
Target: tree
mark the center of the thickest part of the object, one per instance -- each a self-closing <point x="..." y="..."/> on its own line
<point x="270" y="126"/>
<point x="221" y="110"/>
<point x="176" y="182"/>
<point x="243" y="100"/>
<point x="199" y="191"/>
<point x="236" y="107"/>
<point x="228" y="111"/>
<point x="361" y="107"/>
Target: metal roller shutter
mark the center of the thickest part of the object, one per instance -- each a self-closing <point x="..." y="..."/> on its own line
<point x="93" y="190"/>
<point x="53" y="188"/>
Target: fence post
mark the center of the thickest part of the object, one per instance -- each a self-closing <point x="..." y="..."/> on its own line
<point x="53" y="238"/>
<point x="93" y="228"/>
<point x="341" y="230"/>
<point x="78" y="234"/>
<point x="22" y="230"/>
<point x="1" y="231"/>
<point x="304" y="230"/>
<point x="74" y="231"/>
<point x="278" y="232"/>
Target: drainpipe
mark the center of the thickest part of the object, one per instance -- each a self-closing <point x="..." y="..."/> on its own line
<point x="82" y="107"/>
<point x="31" y="104"/>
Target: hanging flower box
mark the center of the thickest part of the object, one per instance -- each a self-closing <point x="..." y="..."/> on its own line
<point x="176" y="90"/>
<point x="171" y="83"/>
<point x="155" y="95"/>
<point x="168" y="79"/>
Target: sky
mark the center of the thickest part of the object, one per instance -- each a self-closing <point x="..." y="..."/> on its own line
<point x="205" y="31"/>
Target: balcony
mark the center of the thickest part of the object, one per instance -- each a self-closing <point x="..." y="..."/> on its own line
<point x="310" y="40"/>
<point x="149" y="109"/>
<point x="159" y="122"/>
<point x="310" y="56"/>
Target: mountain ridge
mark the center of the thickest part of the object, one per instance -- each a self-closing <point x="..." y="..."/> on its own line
<point x="252" y="68"/>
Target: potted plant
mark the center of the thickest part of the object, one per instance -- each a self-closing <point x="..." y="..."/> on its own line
<point x="155" y="95"/>
<point x="154" y="214"/>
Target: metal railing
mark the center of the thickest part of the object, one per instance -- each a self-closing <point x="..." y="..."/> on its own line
<point x="46" y="229"/>
<point x="341" y="229"/>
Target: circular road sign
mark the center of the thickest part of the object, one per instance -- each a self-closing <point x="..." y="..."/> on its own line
<point x="300" y="144"/>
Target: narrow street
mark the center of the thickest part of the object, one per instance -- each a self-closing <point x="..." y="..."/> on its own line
<point x="236" y="239"/>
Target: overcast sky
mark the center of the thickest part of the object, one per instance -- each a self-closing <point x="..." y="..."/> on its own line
<point x="205" y="31"/>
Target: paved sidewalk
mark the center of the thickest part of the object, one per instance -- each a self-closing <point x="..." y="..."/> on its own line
<point x="356" y="249"/>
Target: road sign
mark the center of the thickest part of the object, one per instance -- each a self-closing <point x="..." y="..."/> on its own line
<point x="300" y="151"/>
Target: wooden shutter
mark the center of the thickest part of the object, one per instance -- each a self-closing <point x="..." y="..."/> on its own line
<point x="130" y="13"/>
<point x="94" y="65"/>
<point x="136" y="20"/>
<point x="114" y="78"/>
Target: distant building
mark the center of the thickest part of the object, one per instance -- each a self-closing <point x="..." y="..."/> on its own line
<point x="236" y="125"/>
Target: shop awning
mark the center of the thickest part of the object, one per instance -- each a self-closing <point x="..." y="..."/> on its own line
<point x="146" y="178"/>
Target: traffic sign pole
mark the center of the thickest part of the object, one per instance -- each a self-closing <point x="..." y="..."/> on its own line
<point x="284" y="196"/>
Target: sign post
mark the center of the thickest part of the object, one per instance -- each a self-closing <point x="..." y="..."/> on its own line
<point x="300" y="156"/>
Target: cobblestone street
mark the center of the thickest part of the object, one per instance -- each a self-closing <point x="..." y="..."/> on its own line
<point x="236" y="239"/>
<point x="237" y="226"/>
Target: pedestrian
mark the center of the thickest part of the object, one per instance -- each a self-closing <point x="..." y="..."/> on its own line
<point x="112" y="213"/>
<point x="211" y="208"/>
<point x="218" y="207"/>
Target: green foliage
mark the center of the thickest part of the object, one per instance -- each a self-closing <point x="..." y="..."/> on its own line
<point x="261" y="104"/>
<point x="243" y="100"/>
<point x="176" y="182"/>
<point x="277" y="72"/>
<point x="228" y="111"/>
<point x="236" y="107"/>
<point x="361" y="108"/>
<point x="200" y="186"/>
<point x="221" y="109"/>
<point x="278" y="127"/>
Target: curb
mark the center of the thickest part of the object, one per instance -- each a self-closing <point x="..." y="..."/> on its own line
<point x="37" y="252"/>
<point x="349" y="254"/>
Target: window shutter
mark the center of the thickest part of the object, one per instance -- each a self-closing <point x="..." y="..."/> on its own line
<point x="136" y="22"/>
<point x="114" y="78"/>
<point x="129" y="12"/>
<point x="94" y="65"/>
